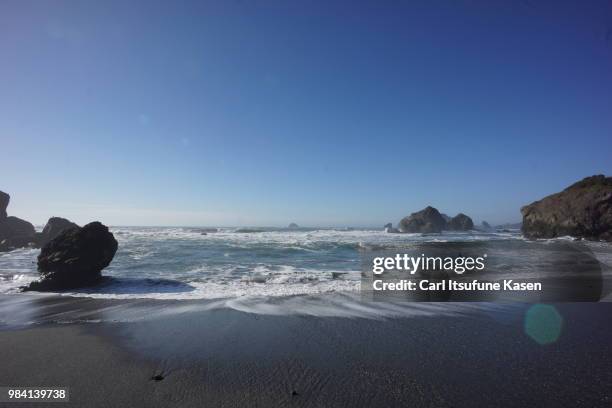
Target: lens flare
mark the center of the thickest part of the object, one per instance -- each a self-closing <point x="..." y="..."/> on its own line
<point x="543" y="324"/>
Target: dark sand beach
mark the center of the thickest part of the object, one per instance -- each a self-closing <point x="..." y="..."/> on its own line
<point x="224" y="357"/>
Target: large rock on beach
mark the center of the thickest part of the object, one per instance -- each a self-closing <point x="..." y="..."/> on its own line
<point x="582" y="210"/>
<point x="53" y="228"/>
<point x="427" y="220"/>
<point x="461" y="222"/>
<point x="75" y="258"/>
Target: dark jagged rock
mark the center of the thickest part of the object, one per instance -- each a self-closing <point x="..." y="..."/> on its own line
<point x="446" y="217"/>
<point x="388" y="225"/>
<point x="461" y="222"/>
<point x="485" y="226"/>
<point x="75" y="258"/>
<point x="53" y="228"/>
<point x="13" y="227"/>
<point x="16" y="233"/>
<point x="426" y="221"/>
<point x="582" y="210"/>
<point x="293" y="225"/>
<point x="4" y="202"/>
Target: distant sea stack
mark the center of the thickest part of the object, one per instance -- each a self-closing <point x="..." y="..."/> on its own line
<point x="17" y="233"/>
<point x="430" y="220"/>
<point x="75" y="258"/>
<point x="425" y="221"/>
<point x="461" y="222"/>
<point x="293" y="225"/>
<point x="14" y="232"/>
<point x="582" y="210"/>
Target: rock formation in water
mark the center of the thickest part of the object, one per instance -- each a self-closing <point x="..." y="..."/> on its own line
<point x="293" y="225"/>
<point x="430" y="220"/>
<point x="53" y="228"/>
<point x="75" y="258"/>
<point x="4" y="202"/>
<point x="460" y="222"/>
<point x="14" y="232"/>
<point x="582" y="210"/>
<point x="425" y="221"/>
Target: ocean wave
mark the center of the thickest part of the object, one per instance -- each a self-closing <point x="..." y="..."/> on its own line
<point x="213" y="290"/>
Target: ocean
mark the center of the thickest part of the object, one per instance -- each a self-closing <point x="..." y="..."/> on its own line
<point x="184" y="263"/>
<point x="317" y="272"/>
<point x="188" y="263"/>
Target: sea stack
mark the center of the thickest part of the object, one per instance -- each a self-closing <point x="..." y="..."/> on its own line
<point x="582" y="210"/>
<point x="14" y="232"/>
<point x="427" y="220"/>
<point x="460" y="222"/>
<point x="75" y="258"/>
<point x="430" y="220"/>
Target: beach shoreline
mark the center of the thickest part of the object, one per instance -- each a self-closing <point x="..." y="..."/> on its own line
<point x="225" y="357"/>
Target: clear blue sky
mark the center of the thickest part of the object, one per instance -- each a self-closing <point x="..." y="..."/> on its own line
<point x="322" y="113"/>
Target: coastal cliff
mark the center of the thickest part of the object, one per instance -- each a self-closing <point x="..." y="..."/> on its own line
<point x="582" y="210"/>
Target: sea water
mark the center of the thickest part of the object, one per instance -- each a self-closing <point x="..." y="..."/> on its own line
<point x="271" y="271"/>
<point x="187" y="263"/>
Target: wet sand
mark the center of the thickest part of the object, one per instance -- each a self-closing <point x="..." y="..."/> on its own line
<point x="224" y="357"/>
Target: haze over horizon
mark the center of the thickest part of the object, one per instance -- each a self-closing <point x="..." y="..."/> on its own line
<point x="265" y="113"/>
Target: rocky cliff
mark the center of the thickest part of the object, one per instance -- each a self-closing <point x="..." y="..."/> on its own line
<point x="582" y="210"/>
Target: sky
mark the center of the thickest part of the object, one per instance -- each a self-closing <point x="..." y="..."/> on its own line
<point x="323" y="113"/>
